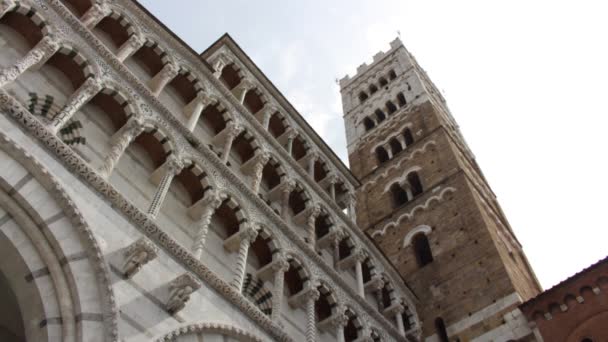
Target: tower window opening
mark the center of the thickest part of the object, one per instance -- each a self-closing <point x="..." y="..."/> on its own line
<point x="392" y="75"/>
<point x="383" y="81"/>
<point x="407" y="136"/>
<point x="390" y="107"/>
<point x="414" y="180"/>
<point x="381" y="155"/>
<point x="395" y="146"/>
<point x="399" y="195"/>
<point x="373" y="89"/>
<point x="380" y="114"/>
<point x="401" y="100"/>
<point x="422" y="250"/>
<point x="368" y="123"/>
<point x="441" y="330"/>
<point x="362" y="96"/>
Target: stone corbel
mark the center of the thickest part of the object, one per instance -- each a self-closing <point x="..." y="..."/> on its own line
<point x="137" y="255"/>
<point x="299" y="299"/>
<point x="171" y="165"/>
<point x="211" y="199"/>
<point x="350" y="261"/>
<point x="180" y="290"/>
<point x="233" y="243"/>
<point x="328" y="239"/>
<point x="374" y="284"/>
<point x="331" y="323"/>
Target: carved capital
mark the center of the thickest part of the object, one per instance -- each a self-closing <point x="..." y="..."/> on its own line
<point x="249" y="234"/>
<point x="137" y="255"/>
<point x="233" y="130"/>
<point x="135" y="41"/>
<point x="280" y="265"/>
<point x="169" y="71"/>
<point x="180" y="290"/>
<point x="340" y="320"/>
<point x="173" y="165"/>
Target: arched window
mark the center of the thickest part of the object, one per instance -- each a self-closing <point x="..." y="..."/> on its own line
<point x="390" y="106"/>
<point x="399" y="195"/>
<point x="392" y="75"/>
<point x="415" y="184"/>
<point x="422" y="250"/>
<point x="441" y="330"/>
<point x="380" y="115"/>
<point x="230" y="76"/>
<point x="373" y="89"/>
<point x="362" y="96"/>
<point x="368" y="123"/>
<point x="407" y="135"/>
<point x="395" y="146"/>
<point x="401" y="100"/>
<point x="381" y="154"/>
<point x="383" y="81"/>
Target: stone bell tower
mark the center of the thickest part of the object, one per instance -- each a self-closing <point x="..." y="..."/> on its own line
<point x="426" y="204"/>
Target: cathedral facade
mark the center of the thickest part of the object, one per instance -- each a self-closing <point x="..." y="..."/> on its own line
<point x="151" y="192"/>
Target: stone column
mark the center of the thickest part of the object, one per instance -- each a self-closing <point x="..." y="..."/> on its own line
<point x="351" y="204"/>
<point x="311" y="224"/>
<point x="292" y="135"/>
<point x="194" y="109"/>
<point x="311" y="324"/>
<point x="6" y="6"/>
<point x="160" y="80"/>
<point x="37" y="56"/>
<point x="267" y="115"/>
<point x="336" y="245"/>
<point x="173" y="167"/>
<point x="333" y="179"/>
<point x="79" y="98"/>
<point x="203" y="224"/>
<point x="241" y="90"/>
<point x="128" y="48"/>
<point x="233" y="132"/>
<point x="339" y="323"/>
<point x="241" y="264"/>
<point x="399" y="318"/>
<point x="258" y="172"/>
<point x="311" y="165"/>
<point x="287" y="189"/>
<point x="126" y="135"/>
<point x="359" y="272"/>
<point x="279" y="267"/>
<point x="95" y="14"/>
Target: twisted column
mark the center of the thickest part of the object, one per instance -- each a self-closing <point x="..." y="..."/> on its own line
<point x="173" y="166"/>
<point x="279" y="267"/>
<point x="203" y="224"/>
<point x="311" y="326"/>
<point x="81" y="96"/>
<point x="258" y="172"/>
<point x="128" y="48"/>
<point x="44" y="50"/>
<point x="127" y="134"/>
<point x="248" y="237"/>
<point x="233" y="131"/>
<point x="95" y="14"/>
<point x="311" y="225"/>
<point x="162" y="78"/>
<point x="287" y="189"/>
<point x="194" y="109"/>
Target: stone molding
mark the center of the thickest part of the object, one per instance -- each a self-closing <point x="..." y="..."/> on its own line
<point x="200" y="328"/>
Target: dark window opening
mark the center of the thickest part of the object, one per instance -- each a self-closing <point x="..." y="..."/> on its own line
<point x="380" y="115"/>
<point x="373" y="89"/>
<point x="392" y="75"/>
<point x="390" y="107"/>
<point x="441" y="331"/>
<point x="383" y="81"/>
<point x="422" y="249"/>
<point x="344" y="249"/>
<point x="322" y="307"/>
<point x="407" y="135"/>
<point x="230" y="76"/>
<point x="362" y="96"/>
<point x="368" y="123"/>
<point x="401" y="100"/>
<point x="381" y="155"/>
<point x="395" y="146"/>
<point x="351" y="333"/>
<point x="399" y="195"/>
<point x="415" y="184"/>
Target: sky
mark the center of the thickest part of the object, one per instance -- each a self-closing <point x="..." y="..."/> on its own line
<point x="525" y="80"/>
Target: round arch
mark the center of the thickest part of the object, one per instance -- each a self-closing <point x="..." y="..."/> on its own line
<point x="58" y="264"/>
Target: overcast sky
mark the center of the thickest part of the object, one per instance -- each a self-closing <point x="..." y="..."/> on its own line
<point x="526" y="81"/>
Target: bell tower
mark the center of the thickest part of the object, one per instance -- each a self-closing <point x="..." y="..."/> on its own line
<point x="425" y="203"/>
